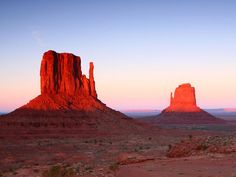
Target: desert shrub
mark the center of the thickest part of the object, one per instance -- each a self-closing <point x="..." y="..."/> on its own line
<point x="54" y="171"/>
<point x="114" y="167"/>
<point x="89" y="168"/>
<point x="77" y="169"/>
<point x="1" y="175"/>
<point x="140" y="148"/>
<point x="190" y="136"/>
<point x="69" y="172"/>
<point x="13" y="171"/>
<point x="36" y="170"/>
<point x="58" y="171"/>
<point x="203" y="147"/>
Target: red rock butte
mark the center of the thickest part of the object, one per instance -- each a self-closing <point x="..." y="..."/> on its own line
<point x="68" y="99"/>
<point x="184" y="100"/>
<point x="64" y="86"/>
<point x="62" y="74"/>
<point x="183" y="109"/>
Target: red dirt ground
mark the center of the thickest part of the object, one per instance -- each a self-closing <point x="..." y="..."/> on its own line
<point x="133" y="154"/>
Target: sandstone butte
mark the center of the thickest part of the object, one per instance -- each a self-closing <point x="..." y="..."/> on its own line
<point x="183" y="109"/>
<point x="68" y="99"/>
<point x="64" y="86"/>
<point x="62" y="74"/>
<point x="184" y="100"/>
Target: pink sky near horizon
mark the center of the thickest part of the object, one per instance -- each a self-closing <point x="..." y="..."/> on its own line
<point x="133" y="90"/>
<point x="140" y="55"/>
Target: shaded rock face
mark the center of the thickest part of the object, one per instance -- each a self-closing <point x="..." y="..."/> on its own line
<point x="184" y="100"/>
<point x="61" y="74"/>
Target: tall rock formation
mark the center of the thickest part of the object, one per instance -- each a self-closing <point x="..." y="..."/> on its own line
<point x="61" y="74"/>
<point x="184" y="100"/>
<point x="68" y="99"/>
<point x="64" y="86"/>
<point x="183" y="109"/>
<point x="91" y="81"/>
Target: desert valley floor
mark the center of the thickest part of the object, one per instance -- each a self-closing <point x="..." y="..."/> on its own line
<point x="160" y="151"/>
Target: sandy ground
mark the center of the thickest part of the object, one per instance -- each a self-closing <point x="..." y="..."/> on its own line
<point x="121" y="155"/>
<point x="199" y="166"/>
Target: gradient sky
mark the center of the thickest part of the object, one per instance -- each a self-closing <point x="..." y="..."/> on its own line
<point x="142" y="50"/>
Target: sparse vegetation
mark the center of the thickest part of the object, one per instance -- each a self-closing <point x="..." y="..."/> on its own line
<point x="36" y="170"/>
<point x="58" y="171"/>
<point x="1" y="175"/>
<point x="89" y="168"/>
<point x="190" y="136"/>
<point x="114" y="167"/>
<point x="13" y="171"/>
<point x="203" y="147"/>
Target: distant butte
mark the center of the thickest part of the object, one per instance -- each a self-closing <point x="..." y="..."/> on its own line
<point x="68" y="100"/>
<point x="183" y="109"/>
<point x="184" y="100"/>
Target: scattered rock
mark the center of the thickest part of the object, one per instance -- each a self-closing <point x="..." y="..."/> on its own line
<point x="196" y="146"/>
<point x="125" y="158"/>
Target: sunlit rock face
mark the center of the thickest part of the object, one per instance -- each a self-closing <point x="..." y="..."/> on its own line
<point x="183" y="109"/>
<point x="64" y="86"/>
<point x="68" y="100"/>
<point x="67" y="104"/>
<point x="61" y="74"/>
<point x="184" y="100"/>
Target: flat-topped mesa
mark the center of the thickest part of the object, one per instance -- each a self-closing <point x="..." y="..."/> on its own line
<point x="184" y="100"/>
<point x="184" y="110"/>
<point x="68" y="100"/>
<point x="61" y="74"/>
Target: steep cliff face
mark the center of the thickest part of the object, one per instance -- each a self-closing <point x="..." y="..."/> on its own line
<point x="184" y="100"/>
<point x="91" y="81"/>
<point x="68" y="101"/>
<point x="61" y="74"/>
<point x="64" y="86"/>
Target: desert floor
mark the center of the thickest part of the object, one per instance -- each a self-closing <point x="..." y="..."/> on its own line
<point x="142" y="154"/>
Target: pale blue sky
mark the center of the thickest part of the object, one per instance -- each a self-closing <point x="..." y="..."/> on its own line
<point x="142" y="50"/>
